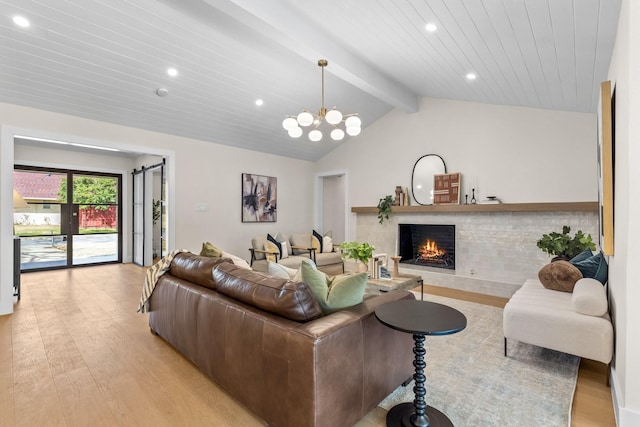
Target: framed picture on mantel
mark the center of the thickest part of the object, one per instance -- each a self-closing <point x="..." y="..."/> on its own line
<point x="259" y="198"/>
<point x="446" y="189"/>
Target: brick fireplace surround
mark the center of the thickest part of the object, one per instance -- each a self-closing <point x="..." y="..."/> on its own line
<point x="495" y="246"/>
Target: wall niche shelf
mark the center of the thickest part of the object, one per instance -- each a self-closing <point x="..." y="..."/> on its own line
<point x="500" y="207"/>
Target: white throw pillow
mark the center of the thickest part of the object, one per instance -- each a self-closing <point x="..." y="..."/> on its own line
<point x="285" y="249"/>
<point x="589" y="297"/>
<point x="236" y="260"/>
<point x="281" y="271"/>
<point x="327" y="244"/>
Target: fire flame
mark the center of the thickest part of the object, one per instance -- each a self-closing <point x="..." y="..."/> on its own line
<point x="430" y="250"/>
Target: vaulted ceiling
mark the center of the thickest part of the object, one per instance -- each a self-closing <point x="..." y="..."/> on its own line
<point x="106" y="59"/>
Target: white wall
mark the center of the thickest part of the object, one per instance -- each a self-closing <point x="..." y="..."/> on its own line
<point x="518" y="154"/>
<point x="623" y="275"/>
<point x="206" y="173"/>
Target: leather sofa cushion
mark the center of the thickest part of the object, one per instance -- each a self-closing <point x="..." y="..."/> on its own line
<point x="286" y="298"/>
<point x="195" y="268"/>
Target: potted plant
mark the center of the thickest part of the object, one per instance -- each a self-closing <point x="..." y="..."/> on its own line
<point x="563" y="246"/>
<point x="361" y="252"/>
<point x="384" y="208"/>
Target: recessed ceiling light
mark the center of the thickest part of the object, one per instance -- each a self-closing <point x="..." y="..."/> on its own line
<point x="259" y="102"/>
<point x="471" y="76"/>
<point x="431" y="27"/>
<point x="172" y="72"/>
<point x="21" y="21"/>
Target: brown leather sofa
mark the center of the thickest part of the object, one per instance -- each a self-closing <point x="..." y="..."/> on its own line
<point x="267" y="343"/>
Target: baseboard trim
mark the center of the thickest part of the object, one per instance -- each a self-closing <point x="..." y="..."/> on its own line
<point x="625" y="417"/>
<point x="465" y="283"/>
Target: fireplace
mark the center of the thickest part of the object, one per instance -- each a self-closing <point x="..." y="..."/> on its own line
<point x="428" y="245"/>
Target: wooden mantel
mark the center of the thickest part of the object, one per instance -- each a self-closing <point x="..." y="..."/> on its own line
<point x="500" y="207"/>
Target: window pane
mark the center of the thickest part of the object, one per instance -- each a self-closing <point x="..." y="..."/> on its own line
<point x="95" y="219"/>
<point x="36" y="220"/>
<point x="88" y="249"/>
<point x="40" y="187"/>
<point x="94" y="190"/>
<point x="41" y="252"/>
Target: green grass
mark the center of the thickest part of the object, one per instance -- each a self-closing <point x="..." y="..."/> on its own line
<point x="36" y="230"/>
<point x="97" y="230"/>
<point x="54" y="230"/>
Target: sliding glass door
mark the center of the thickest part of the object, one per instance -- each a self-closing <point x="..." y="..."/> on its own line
<point x="67" y="218"/>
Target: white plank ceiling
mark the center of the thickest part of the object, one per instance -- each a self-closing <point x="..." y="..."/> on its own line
<point x="105" y="59"/>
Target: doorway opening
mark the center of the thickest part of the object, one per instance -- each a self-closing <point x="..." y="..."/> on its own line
<point x="66" y="218"/>
<point x="149" y="213"/>
<point x="332" y="205"/>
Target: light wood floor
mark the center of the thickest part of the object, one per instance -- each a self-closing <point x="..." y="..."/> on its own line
<point x="76" y="353"/>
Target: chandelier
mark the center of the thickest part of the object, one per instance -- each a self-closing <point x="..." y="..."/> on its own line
<point x="338" y="123"/>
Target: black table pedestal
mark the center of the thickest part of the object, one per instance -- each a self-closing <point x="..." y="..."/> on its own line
<point x="400" y="416"/>
<point x="417" y="414"/>
<point x="419" y="318"/>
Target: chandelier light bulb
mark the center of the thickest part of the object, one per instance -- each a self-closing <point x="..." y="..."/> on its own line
<point x="353" y="122"/>
<point x="353" y="131"/>
<point x="337" y="134"/>
<point x="334" y="117"/>
<point x="289" y="123"/>
<point x="305" y="118"/>
<point x="295" y="132"/>
<point x="315" y="135"/>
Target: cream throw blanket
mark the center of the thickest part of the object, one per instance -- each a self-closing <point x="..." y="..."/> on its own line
<point x="151" y="278"/>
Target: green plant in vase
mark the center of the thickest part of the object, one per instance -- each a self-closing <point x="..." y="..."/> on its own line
<point x="361" y="252"/>
<point x="563" y="246"/>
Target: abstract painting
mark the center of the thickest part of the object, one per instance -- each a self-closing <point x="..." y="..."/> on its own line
<point x="259" y="198"/>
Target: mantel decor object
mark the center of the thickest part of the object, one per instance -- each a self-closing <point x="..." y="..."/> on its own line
<point x="422" y="177"/>
<point x="446" y="189"/>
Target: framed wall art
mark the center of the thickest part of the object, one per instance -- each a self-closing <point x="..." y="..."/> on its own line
<point x="606" y="163"/>
<point x="259" y="198"/>
<point x="446" y="189"/>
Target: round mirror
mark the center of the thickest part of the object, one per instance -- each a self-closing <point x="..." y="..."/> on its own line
<point x="422" y="177"/>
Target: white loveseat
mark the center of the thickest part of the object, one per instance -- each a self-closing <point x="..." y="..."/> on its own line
<point x="577" y="323"/>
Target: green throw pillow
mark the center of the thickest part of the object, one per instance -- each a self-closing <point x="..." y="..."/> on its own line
<point x="210" y="251"/>
<point x="594" y="267"/>
<point x="334" y="292"/>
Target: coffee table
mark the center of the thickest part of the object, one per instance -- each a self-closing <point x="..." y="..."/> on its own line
<point x="376" y="286"/>
<point x="419" y="318"/>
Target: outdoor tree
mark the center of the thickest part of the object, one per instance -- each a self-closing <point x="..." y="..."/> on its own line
<point x="87" y="190"/>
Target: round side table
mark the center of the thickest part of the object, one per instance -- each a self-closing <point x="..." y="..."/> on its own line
<point x="419" y="318"/>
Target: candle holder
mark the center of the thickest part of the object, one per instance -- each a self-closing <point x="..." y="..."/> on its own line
<point x="396" y="272"/>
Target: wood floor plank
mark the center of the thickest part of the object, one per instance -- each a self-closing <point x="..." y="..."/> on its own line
<point x="75" y="352"/>
<point x="82" y="401"/>
<point x="36" y="398"/>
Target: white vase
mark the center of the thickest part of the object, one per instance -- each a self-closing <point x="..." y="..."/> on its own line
<point x="362" y="267"/>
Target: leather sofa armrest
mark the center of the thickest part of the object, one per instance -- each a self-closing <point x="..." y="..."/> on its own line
<point x="325" y="325"/>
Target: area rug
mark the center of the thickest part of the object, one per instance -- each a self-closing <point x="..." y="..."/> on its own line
<point x="470" y="380"/>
